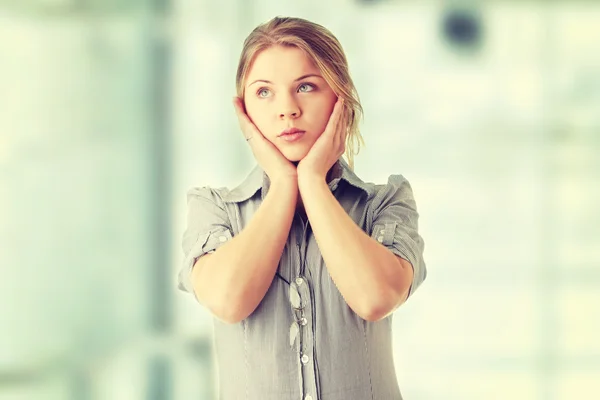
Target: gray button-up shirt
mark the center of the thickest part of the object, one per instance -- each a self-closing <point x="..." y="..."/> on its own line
<point x="303" y="341"/>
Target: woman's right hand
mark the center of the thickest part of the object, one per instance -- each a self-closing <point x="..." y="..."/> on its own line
<point x="275" y="165"/>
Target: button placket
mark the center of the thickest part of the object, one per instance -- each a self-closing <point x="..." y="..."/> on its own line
<point x="307" y="343"/>
<point x="297" y="306"/>
<point x="306" y="346"/>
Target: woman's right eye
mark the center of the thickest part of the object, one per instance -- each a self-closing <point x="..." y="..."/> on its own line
<point x="263" y="92"/>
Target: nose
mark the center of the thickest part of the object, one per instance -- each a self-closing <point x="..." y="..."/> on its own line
<point x="289" y="108"/>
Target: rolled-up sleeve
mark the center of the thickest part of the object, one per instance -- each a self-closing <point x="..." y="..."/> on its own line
<point x="395" y="225"/>
<point x="208" y="228"/>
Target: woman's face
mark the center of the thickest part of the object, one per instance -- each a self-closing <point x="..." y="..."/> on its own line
<point x="285" y="89"/>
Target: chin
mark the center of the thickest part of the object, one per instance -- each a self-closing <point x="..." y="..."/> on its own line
<point x="295" y="156"/>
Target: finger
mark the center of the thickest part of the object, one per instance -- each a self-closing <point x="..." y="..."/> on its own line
<point x="239" y="110"/>
<point x="343" y="131"/>
<point x="334" y="118"/>
<point x="339" y="126"/>
<point x="246" y="125"/>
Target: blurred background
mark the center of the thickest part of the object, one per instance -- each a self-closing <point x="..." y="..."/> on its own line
<point x="111" y="110"/>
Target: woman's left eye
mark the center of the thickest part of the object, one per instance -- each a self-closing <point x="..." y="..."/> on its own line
<point x="306" y="87"/>
<point x="262" y="92"/>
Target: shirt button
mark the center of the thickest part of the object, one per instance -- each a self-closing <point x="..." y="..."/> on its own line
<point x="382" y="232"/>
<point x="299" y="281"/>
<point x="303" y="321"/>
<point x="304" y="359"/>
<point x="380" y="239"/>
<point x="222" y="239"/>
<point x="308" y="397"/>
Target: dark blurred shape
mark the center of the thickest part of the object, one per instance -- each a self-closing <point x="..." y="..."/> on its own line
<point x="462" y="28"/>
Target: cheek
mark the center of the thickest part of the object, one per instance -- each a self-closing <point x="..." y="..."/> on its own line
<point x="255" y="111"/>
<point x="258" y="113"/>
<point x="322" y="114"/>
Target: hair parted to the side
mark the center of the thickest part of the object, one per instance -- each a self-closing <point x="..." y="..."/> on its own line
<point x="323" y="48"/>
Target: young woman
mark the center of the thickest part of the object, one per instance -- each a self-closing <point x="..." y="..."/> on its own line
<point x="303" y="263"/>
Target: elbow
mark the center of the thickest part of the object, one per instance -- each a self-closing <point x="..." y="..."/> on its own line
<point x="229" y="312"/>
<point x="383" y="306"/>
<point x="374" y="314"/>
<point x="372" y="311"/>
<point x="229" y="319"/>
<point x="222" y="307"/>
<point x="218" y="308"/>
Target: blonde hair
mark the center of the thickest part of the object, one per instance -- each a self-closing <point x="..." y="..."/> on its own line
<point x="323" y="48"/>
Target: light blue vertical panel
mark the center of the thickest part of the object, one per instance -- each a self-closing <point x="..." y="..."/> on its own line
<point x="75" y="214"/>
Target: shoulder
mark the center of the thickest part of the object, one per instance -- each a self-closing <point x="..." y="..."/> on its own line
<point x="393" y="181"/>
<point x="397" y="189"/>
<point x="395" y="184"/>
<point x="207" y="194"/>
<point x="244" y="191"/>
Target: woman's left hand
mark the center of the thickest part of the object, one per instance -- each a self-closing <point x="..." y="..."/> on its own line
<point x="328" y="147"/>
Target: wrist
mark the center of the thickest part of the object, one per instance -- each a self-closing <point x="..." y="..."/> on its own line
<point x="285" y="181"/>
<point x="310" y="179"/>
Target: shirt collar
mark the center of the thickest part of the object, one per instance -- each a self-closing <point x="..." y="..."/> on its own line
<point x="258" y="180"/>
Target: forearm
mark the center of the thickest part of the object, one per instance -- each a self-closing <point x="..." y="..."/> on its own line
<point x="236" y="277"/>
<point x="367" y="274"/>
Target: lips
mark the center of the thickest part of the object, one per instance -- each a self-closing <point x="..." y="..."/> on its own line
<point x="290" y="131"/>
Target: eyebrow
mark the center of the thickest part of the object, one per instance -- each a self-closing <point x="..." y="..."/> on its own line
<point x="296" y="80"/>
